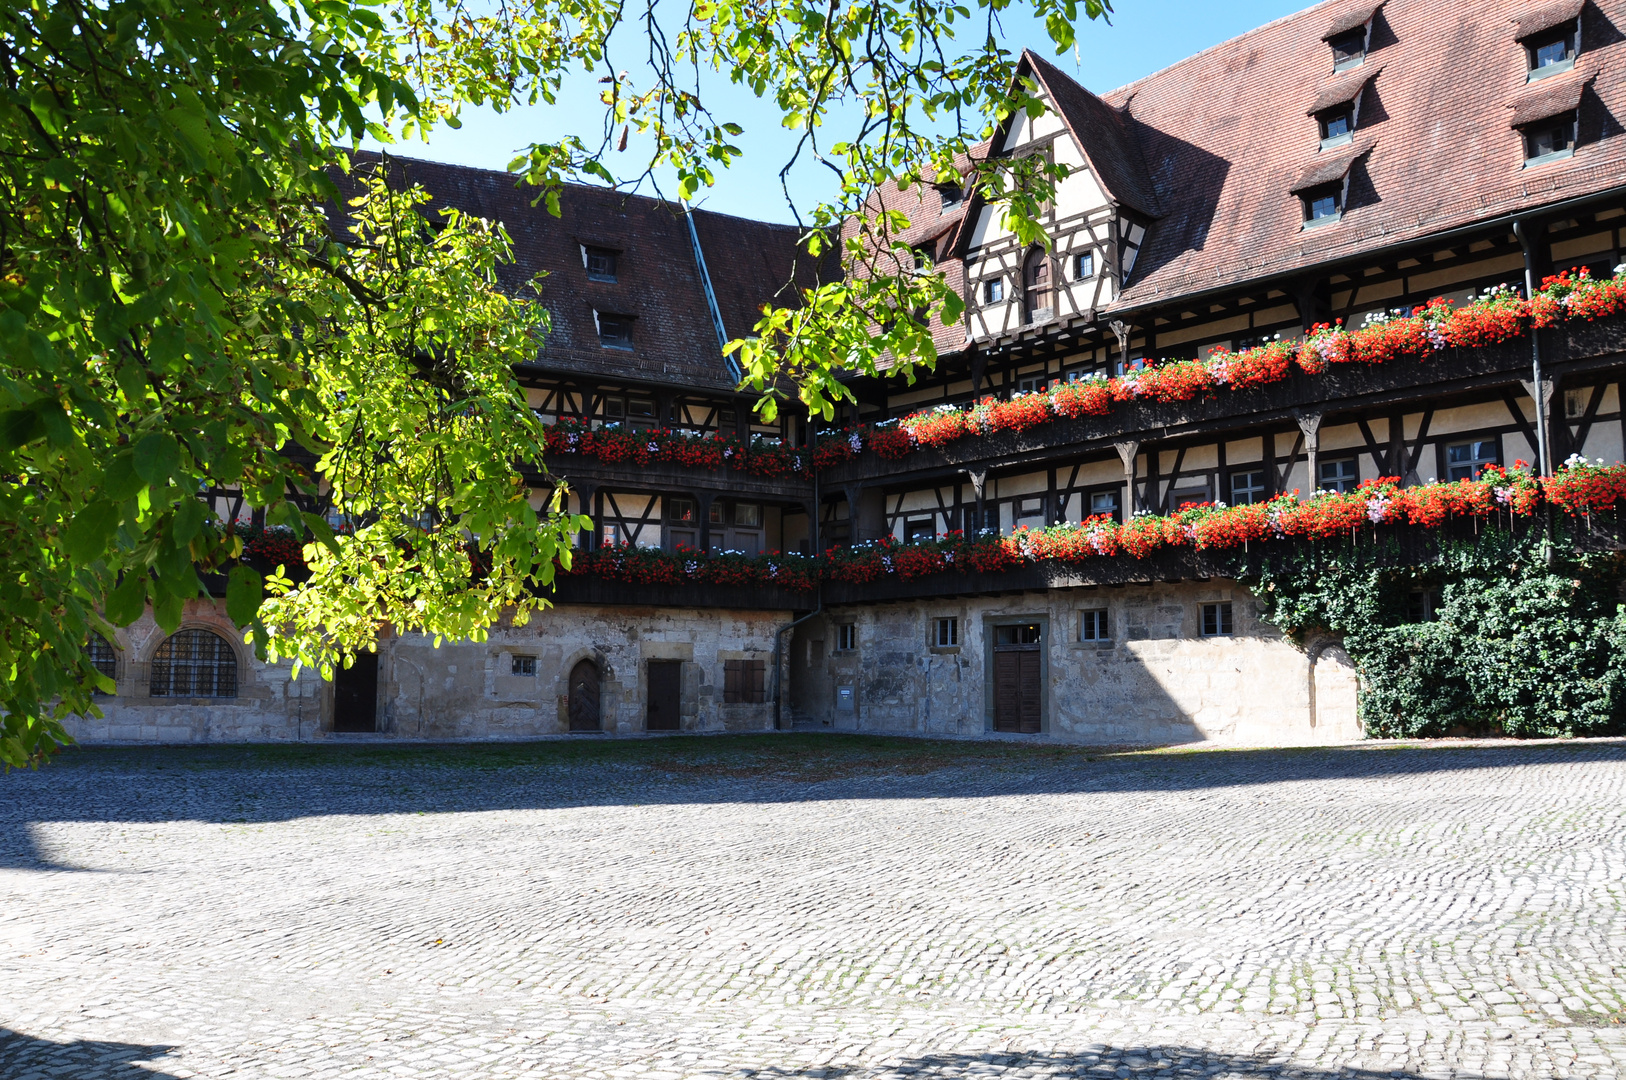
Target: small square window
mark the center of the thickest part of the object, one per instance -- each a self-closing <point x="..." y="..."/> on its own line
<point x="600" y="263"/>
<point x="1550" y="139"/>
<point x="1348" y="49"/>
<point x="1323" y="205"/>
<point x="748" y="515"/>
<point x="945" y="633"/>
<point x="1423" y="605"/>
<point x="1032" y="384"/>
<point x="612" y="535"/>
<point x="1094" y="627"/>
<point x="846" y="637"/>
<point x="1104" y="504"/>
<point x="919" y="529"/>
<point x="523" y="665"/>
<point x="1464" y="461"/>
<point x="1340" y="475"/>
<point x="1248" y="487"/>
<point x="1029" y="506"/>
<point x="681" y="510"/>
<point x="1551" y="52"/>
<point x="640" y="409"/>
<point x="614" y="409"/>
<point x="1217" y="620"/>
<point x="1083" y="265"/>
<point x="1337" y="126"/>
<point x="1017" y="635"/>
<point x="951" y="195"/>
<point x="993" y="291"/>
<point x="614" y="331"/>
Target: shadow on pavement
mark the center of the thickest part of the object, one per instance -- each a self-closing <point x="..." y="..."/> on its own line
<point x="1148" y="1062"/>
<point x="257" y="784"/>
<point x="23" y="1057"/>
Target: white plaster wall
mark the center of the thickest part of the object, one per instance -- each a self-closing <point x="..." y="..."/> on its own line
<point x="1156" y="681"/>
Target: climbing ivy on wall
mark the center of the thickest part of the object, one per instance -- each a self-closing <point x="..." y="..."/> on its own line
<point x="1489" y="637"/>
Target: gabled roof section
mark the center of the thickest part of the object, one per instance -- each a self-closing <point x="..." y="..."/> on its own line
<point x="1549" y="97"/>
<point x="1103" y="135"/>
<point x="1225" y="138"/>
<point x="1352" y="18"/>
<point x="659" y="283"/>
<point x="1545" y="17"/>
<point x="1329" y="168"/>
<point x="1343" y="89"/>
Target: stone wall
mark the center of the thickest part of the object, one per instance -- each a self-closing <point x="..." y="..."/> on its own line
<point x="462" y="690"/>
<point x="1155" y="678"/>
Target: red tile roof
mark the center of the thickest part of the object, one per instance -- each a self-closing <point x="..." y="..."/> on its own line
<point x="1330" y="166"/>
<point x="1350" y="19"/>
<point x="1549" y="97"/>
<point x="1546" y="17"/>
<point x="1224" y="138"/>
<point x="1342" y="89"/>
<point x="659" y="284"/>
<point x="1103" y="134"/>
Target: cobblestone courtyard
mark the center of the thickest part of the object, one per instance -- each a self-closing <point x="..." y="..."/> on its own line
<point x="814" y="906"/>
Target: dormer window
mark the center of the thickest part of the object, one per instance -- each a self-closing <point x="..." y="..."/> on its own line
<point x="1348" y="49"/>
<point x="951" y="195"/>
<point x="614" y="331"/>
<point x="600" y="263"/>
<point x="1337" y="125"/>
<point x="1323" y="205"/>
<point x="1552" y="139"/>
<point x="993" y="291"/>
<point x="1551" y="52"/>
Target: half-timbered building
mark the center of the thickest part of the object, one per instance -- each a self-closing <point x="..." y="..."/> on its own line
<point x="1339" y="164"/>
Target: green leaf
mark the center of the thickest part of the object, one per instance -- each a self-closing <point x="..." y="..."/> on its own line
<point x="189" y="516"/>
<point x="119" y="479"/>
<point x="244" y="591"/>
<point x="167" y="610"/>
<point x="19" y="427"/>
<point x="92" y="528"/>
<point x="157" y="458"/>
<point x="128" y="600"/>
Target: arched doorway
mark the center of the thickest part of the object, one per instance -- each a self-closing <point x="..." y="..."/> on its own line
<point x="584" y="715"/>
<point x="1036" y="302"/>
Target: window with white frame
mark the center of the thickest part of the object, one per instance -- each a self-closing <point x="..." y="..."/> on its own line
<point x="1105" y="503"/>
<point x="993" y="291"/>
<point x="1083" y="265"/>
<point x="523" y="665"/>
<point x="1031" y="384"/>
<point x="945" y="633"/>
<point x="1464" y="460"/>
<point x="1550" y="51"/>
<point x="919" y="529"/>
<point x="1248" y="487"/>
<point x="1216" y="620"/>
<point x="1094" y="626"/>
<point x="1340" y="475"/>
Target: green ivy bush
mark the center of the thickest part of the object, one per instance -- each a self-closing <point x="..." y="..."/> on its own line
<point x="1514" y="642"/>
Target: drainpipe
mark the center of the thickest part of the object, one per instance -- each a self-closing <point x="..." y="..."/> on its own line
<point x="1528" y="243"/>
<point x="818" y="607"/>
<point x="733" y="365"/>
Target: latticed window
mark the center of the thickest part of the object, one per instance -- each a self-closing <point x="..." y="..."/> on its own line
<point x="194" y="663"/>
<point x="102" y="657"/>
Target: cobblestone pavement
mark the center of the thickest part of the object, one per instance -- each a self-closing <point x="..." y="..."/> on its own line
<point x="1356" y="912"/>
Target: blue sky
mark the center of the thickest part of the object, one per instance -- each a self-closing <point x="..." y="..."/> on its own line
<point x="1145" y="35"/>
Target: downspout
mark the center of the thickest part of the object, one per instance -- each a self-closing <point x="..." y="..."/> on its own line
<point x="732" y="364"/>
<point x="818" y="606"/>
<point x="1537" y="389"/>
<point x="1527" y="242"/>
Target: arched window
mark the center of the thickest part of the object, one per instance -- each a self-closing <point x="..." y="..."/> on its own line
<point x="102" y="658"/>
<point x="194" y="663"/>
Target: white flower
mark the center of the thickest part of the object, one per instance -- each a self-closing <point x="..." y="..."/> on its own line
<point x="1376" y="507"/>
<point x="855" y="443"/>
<point x="1575" y="460"/>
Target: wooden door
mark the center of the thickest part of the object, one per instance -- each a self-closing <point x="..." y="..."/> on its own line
<point x="665" y="682"/>
<point x="1017" y="690"/>
<point x="584" y="715"/>
<point x="355" y="695"/>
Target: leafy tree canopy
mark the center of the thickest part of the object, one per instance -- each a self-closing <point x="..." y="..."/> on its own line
<point x="179" y="313"/>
